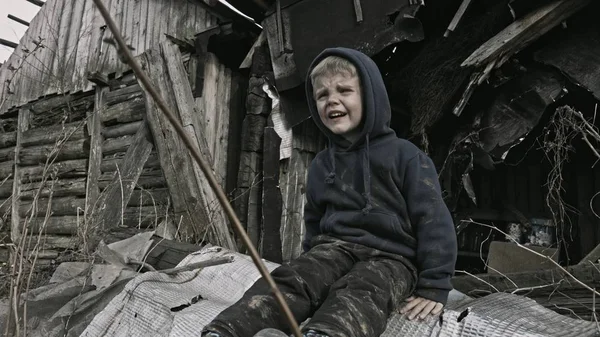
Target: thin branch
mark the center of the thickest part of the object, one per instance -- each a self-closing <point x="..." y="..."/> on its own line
<point x="126" y="56"/>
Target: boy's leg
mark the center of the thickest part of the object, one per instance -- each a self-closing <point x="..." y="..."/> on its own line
<point x="304" y="283"/>
<point x="360" y="303"/>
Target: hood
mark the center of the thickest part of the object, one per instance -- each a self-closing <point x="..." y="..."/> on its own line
<point x="376" y="105"/>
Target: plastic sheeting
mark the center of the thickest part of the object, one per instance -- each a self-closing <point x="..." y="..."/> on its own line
<point x="154" y="304"/>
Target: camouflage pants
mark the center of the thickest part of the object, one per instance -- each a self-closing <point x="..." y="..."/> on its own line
<point x="349" y="290"/>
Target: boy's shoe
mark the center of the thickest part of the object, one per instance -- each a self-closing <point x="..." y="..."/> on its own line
<point x="210" y="334"/>
<point x="313" y="333"/>
<point x="270" y="333"/>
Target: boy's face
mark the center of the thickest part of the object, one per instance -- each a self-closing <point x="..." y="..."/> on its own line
<point x="339" y="102"/>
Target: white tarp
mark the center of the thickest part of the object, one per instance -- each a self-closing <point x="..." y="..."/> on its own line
<point x="154" y="304"/>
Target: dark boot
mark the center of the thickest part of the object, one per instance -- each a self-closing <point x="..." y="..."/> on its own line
<point x="270" y="333"/>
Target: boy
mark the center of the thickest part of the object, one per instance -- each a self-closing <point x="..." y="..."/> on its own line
<point x="377" y="230"/>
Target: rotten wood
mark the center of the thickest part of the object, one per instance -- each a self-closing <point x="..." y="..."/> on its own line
<point x="150" y="197"/>
<point x="106" y="215"/>
<point x="116" y="145"/>
<point x="39" y="155"/>
<point x="123" y="95"/>
<point x="6" y="169"/>
<point x="51" y="134"/>
<point x="191" y="194"/>
<point x="22" y="126"/>
<point x="524" y="31"/>
<point x="95" y="159"/>
<point x="6" y="188"/>
<point x="7" y="154"/>
<point x="271" y="199"/>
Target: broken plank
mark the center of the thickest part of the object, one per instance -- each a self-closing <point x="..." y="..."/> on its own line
<point x="120" y="130"/>
<point x="271" y="199"/>
<point x="107" y="213"/>
<point x="8" y="139"/>
<point x="128" y="111"/>
<point x="110" y="164"/>
<point x="123" y="95"/>
<point x="58" y="188"/>
<point x="39" y="155"/>
<point x="70" y="205"/>
<point x="192" y="196"/>
<point x="524" y="31"/>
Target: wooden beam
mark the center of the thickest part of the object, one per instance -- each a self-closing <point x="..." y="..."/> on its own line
<point x="271" y="198"/>
<point x="21" y="21"/>
<point x="22" y="126"/>
<point x="37" y="2"/>
<point x="523" y="31"/>
<point x="8" y="43"/>
<point x="457" y="17"/>
<point x="94" y="128"/>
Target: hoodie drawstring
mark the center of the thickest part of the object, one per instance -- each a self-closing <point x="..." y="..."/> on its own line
<point x="331" y="176"/>
<point x="366" y="166"/>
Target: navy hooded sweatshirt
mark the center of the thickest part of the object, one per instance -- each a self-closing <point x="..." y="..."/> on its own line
<point x="380" y="191"/>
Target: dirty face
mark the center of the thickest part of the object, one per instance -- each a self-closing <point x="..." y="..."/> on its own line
<point x="339" y="102"/>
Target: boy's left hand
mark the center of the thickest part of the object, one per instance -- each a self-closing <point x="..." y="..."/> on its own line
<point x="421" y="308"/>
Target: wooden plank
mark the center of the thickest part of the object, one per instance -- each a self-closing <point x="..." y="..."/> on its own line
<point x="22" y="126"/>
<point x="51" y="134"/>
<point x="7" y="154"/>
<point x="109" y="164"/>
<point x="222" y="125"/>
<point x="6" y="169"/>
<point x="106" y="214"/>
<point x="6" y="187"/>
<point x="148" y="179"/>
<point x="123" y="94"/>
<point x="58" y="188"/>
<point x="95" y="158"/>
<point x="524" y="31"/>
<point x="192" y="197"/>
<point x="116" y="145"/>
<point x="210" y="103"/>
<point x="142" y="26"/>
<point x="60" y="62"/>
<point x="72" y="43"/>
<point x="63" y="169"/>
<point x="124" y="112"/>
<point x="85" y="46"/>
<point x="271" y="199"/>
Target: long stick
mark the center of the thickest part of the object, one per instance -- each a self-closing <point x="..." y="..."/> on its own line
<point x="126" y="56"/>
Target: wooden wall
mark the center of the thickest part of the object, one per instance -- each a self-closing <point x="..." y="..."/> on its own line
<point x="76" y="42"/>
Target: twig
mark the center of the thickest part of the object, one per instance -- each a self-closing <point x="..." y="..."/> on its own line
<point x="538" y="254"/>
<point x="128" y="58"/>
<point x="537" y="287"/>
<point x="202" y="264"/>
<point x="479" y="279"/>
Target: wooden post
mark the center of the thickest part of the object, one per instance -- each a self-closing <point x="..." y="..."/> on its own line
<point x="94" y="127"/>
<point x="271" y="198"/>
<point x="22" y="126"/>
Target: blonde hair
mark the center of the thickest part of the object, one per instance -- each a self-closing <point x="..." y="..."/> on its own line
<point x="332" y="65"/>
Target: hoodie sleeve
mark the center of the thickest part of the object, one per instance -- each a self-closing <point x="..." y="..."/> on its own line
<point x="312" y="211"/>
<point x="434" y="229"/>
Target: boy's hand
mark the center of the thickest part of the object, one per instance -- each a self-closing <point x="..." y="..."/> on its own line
<point x="421" y="308"/>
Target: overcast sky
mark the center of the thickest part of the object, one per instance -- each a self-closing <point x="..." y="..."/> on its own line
<point x="11" y="30"/>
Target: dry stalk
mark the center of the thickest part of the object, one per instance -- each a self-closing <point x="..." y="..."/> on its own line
<point x="561" y="268"/>
<point x="479" y="279"/>
<point x="127" y="57"/>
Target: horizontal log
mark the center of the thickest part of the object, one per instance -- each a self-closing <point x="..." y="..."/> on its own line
<point x="6" y="169"/>
<point x="144" y="216"/>
<point x="58" y="206"/>
<point x="50" y="134"/>
<point x="6" y="188"/>
<point x="60" y="188"/>
<point x="5" y="205"/>
<point x="63" y="169"/>
<point x="62" y="225"/>
<point x="148" y="179"/>
<point x="7" y="154"/>
<point x="128" y="111"/>
<point x="159" y="196"/>
<point x="71" y="150"/>
<point x="8" y="139"/>
<point x="109" y="164"/>
<point x="72" y="102"/>
<point x="115" y="145"/>
<point x="122" y="95"/>
<point x="120" y="130"/>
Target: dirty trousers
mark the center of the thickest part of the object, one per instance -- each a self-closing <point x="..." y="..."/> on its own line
<point x="349" y="290"/>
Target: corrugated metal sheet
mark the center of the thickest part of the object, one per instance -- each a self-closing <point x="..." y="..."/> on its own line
<point x="73" y="38"/>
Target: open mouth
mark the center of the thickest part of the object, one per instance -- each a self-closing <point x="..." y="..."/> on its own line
<point x="336" y="114"/>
